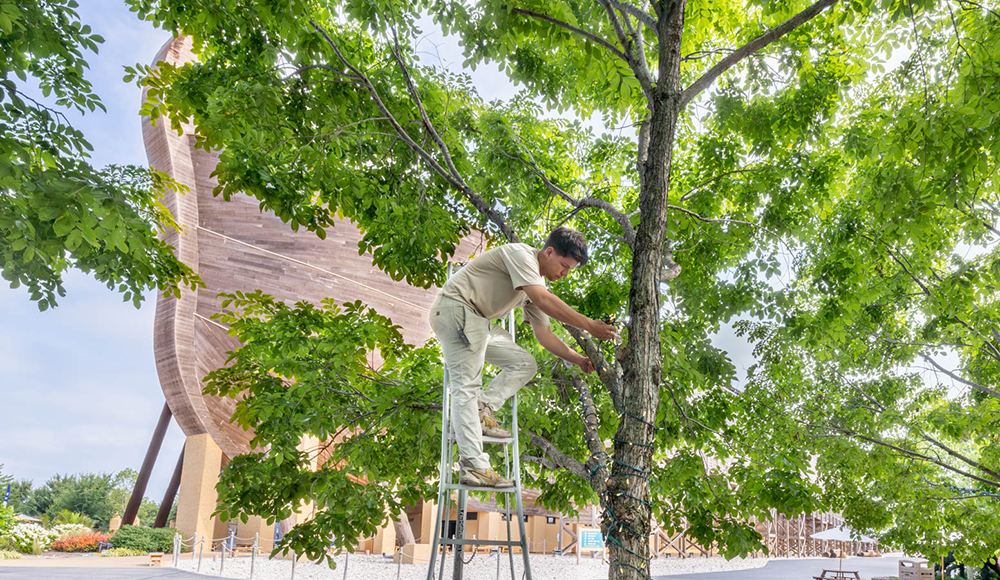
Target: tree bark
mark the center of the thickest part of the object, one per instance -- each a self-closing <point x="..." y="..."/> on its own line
<point x="627" y="520"/>
<point x="404" y="533"/>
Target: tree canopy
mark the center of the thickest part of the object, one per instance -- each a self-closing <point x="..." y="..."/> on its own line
<point x="57" y="211"/>
<point x="820" y="174"/>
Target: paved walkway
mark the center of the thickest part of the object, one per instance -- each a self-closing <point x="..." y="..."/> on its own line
<point x="93" y="573"/>
<point x="801" y="569"/>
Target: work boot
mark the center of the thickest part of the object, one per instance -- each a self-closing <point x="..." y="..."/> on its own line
<point x="491" y="428"/>
<point x="469" y="475"/>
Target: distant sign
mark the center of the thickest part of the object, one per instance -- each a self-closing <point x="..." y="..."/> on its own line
<point x="6" y="496"/>
<point x="591" y="539"/>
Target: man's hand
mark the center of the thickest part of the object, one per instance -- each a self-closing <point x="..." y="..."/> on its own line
<point x="602" y="330"/>
<point x="586" y="365"/>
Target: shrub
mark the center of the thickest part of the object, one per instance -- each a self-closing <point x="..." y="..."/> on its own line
<point x="9" y="555"/>
<point x="87" y="543"/>
<point x="7" y="520"/>
<point x="118" y="552"/>
<point x="145" y="539"/>
<point x="64" y="516"/>
<point x="72" y="530"/>
<point x="31" y="538"/>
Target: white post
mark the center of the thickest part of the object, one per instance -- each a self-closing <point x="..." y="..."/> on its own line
<point x="201" y="550"/>
<point x="294" y="558"/>
<point x="399" y="561"/>
<point x="222" y="565"/>
<point x="177" y="548"/>
<point x="253" y="553"/>
<point x="346" y="556"/>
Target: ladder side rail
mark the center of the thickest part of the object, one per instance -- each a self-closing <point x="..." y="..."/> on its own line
<point x="458" y="548"/>
<point x="517" y="477"/>
<point x="439" y="530"/>
<point x="517" y="488"/>
<point x="510" y="548"/>
<point x="448" y="458"/>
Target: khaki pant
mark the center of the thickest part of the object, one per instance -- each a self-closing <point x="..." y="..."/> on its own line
<point x="488" y="343"/>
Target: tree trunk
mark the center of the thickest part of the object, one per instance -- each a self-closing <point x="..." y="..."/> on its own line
<point x="628" y="518"/>
<point x="404" y="533"/>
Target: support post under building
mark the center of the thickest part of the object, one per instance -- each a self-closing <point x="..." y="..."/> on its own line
<point x="132" y="509"/>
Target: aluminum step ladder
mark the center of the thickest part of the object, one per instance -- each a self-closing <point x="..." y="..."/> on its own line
<point x="449" y="483"/>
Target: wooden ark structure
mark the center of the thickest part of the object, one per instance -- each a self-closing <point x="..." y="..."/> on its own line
<point x="234" y="246"/>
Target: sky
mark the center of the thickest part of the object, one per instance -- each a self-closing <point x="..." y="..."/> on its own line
<point x="78" y="383"/>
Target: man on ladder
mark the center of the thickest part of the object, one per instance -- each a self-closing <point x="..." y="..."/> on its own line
<point x="501" y="279"/>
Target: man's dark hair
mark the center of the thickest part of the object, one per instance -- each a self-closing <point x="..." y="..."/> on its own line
<point x="568" y="243"/>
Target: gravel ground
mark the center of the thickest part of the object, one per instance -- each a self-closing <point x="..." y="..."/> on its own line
<point x="482" y="567"/>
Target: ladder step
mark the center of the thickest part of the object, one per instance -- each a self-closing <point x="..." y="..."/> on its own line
<point x="460" y="487"/>
<point x="496" y="440"/>
<point x="464" y="542"/>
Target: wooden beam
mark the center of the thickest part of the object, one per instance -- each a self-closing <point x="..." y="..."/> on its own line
<point x="170" y="494"/>
<point x="152" y="451"/>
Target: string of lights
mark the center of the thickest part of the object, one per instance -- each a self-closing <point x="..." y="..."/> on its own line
<point x="964" y="492"/>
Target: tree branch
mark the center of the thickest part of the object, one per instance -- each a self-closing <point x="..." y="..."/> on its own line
<point x="623" y="221"/>
<point x="637" y="50"/>
<point x="540" y="461"/>
<point x="588" y="35"/>
<point x="610" y="374"/>
<point x="475" y="199"/>
<point x="643" y="151"/>
<point x="640" y="14"/>
<point x="960" y="457"/>
<point x="713" y="179"/>
<point x="700" y="217"/>
<point x="396" y="53"/>
<point x="916" y="455"/>
<point x="598" y="472"/>
<point x="558" y="457"/>
<point x="751" y="47"/>
<point x="982" y="388"/>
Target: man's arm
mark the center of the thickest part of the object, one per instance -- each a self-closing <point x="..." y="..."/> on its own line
<point x="551" y="343"/>
<point x="552" y="305"/>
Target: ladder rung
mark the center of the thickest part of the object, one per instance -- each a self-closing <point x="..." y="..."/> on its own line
<point x="463" y="542"/>
<point x="460" y="487"/>
<point x="497" y="440"/>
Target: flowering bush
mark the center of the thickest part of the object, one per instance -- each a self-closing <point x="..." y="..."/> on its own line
<point x="31" y="538"/>
<point x="87" y="543"/>
<point x="72" y="530"/>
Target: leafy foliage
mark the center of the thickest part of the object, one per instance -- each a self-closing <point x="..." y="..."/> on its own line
<point x="122" y="553"/>
<point x="7" y="520"/>
<point x="64" y="516"/>
<point x="143" y="539"/>
<point x="308" y="372"/>
<point x="56" y="210"/>
<point x="841" y="208"/>
<point x="86" y="494"/>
